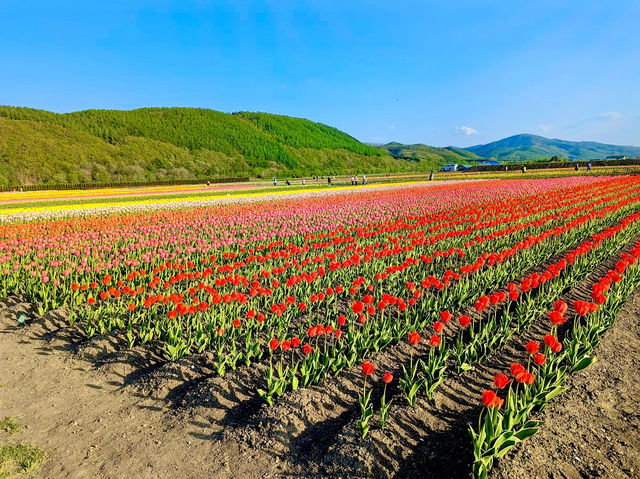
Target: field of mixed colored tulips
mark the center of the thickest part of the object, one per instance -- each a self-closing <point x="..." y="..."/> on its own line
<point x="391" y="293"/>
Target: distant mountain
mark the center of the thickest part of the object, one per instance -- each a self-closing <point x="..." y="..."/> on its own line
<point x="430" y="157"/>
<point x="532" y="147"/>
<point x="150" y="144"/>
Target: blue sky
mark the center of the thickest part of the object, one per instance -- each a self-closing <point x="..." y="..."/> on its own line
<point x="441" y="73"/>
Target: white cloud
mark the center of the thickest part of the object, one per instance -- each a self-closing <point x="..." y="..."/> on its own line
<point x="464" y="130"/>
<point x="610" y="115"/>
<point x="392" y="127"/>
<point x="545" y="127"/>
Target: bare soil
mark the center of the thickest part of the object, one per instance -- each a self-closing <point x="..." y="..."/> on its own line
<point x="101" y="410"/>
<point x="79" y="400"/>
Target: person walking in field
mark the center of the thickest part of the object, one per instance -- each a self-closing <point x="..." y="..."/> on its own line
<point x="364" y="179"/>
<point x="577" y="167"/>
<point x="275" y="181"/>
<point x="304" y="182"/>
<point x="431" y="176"/>
<point x="589" y="166"/>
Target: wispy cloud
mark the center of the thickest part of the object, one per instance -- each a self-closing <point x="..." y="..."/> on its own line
<point x="464" y="130"/>
<point x="545" y="127"/>
<point x="610" y="115"/>
<point x="607" y="116"/>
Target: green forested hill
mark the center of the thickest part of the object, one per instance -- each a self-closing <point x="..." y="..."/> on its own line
<point x="430" y="157"/>
<point x="307" y="134"/>
<point x="148" y="144"/>
<point x="33" y="152"/>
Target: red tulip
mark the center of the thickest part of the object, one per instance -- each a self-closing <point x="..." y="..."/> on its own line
<point x="490" y="399"/>
<point x="556" y="317"/>
<point x="516" y="370"/>
<point x="481" y="303"/>
<point x="532" y="347"/>
<point x="464" y="320"/>
<point x="529" y="378"/>
<point x="501" y="380"/>
<point x="367" y="368"/>
<point x="560" y="306"/>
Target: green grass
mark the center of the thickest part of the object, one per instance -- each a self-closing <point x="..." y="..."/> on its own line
<point x="19" y="459"/>
<point x="10" y="425"/>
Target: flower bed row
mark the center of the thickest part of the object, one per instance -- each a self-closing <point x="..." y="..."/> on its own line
<point x="528" y="389"/>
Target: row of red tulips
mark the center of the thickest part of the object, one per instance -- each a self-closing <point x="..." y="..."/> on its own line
<point x="506" y="422"/>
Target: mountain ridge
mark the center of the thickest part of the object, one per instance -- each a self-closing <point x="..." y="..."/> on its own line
<point x="526" y="146"/>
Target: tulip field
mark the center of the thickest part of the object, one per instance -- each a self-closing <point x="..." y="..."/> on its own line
<point x="385" y="297"/>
